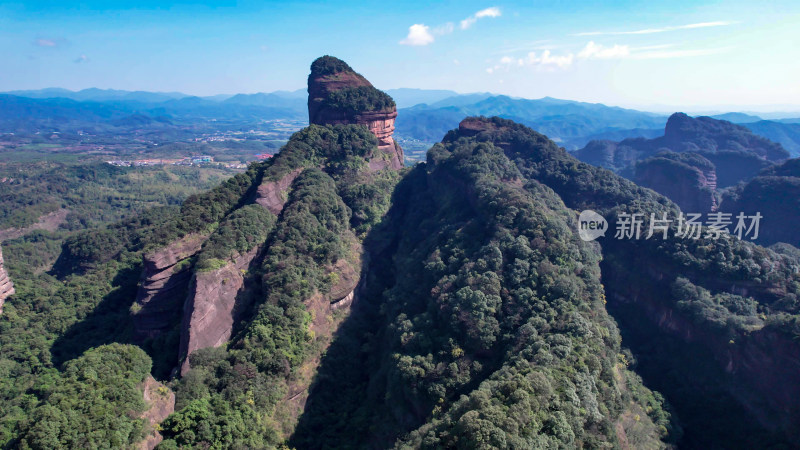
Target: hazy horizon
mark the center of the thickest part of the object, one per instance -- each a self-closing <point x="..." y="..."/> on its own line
<point x="767" y="111"/>
<point x="692" y="56"/>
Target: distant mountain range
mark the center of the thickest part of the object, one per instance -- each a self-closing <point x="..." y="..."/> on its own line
<point x="694" y="160"/>
<point x="100" y="95"/>
<point x="424" y="115"/>
<point x="568" y="123"/>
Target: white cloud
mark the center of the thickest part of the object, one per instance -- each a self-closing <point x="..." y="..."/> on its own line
<point x="418" y="34"/>
<point x="542" y="44"/>
<point x="593" y="51"/>
<point x="546" y="60"/>
<point x="488" y="12"/>
<point x="651" y="47"/>
<point x="597" y="51"/>
<point x="658" y="30"/>
<point x="82" y="59"/>
<point x="551" y="60"/>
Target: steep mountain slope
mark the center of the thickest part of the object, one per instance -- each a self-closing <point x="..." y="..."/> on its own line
<point x="688" y="179"/>
<point x="264" y="265"/>
<point x="682" y="133"/>
<point x="775" y="194"/>
<point x="481" y="324"/>
<point x="725" y="310"/>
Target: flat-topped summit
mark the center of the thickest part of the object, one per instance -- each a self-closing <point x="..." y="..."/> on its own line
<point x="337" y="94"/>
<point x="704" y="134"/>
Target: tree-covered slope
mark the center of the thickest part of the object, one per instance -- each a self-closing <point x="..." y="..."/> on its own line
<point x="724" y="351"/>
<point x="482" y="325"/>
<point x="775" y="194"/>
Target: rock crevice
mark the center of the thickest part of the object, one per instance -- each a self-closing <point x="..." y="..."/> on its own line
<point x="165" y="277"/>
<point x="211" y="307"/>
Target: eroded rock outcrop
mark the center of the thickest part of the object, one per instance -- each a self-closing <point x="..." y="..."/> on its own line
<point x="6" y="286"/>
<point x="211" y="306"/>
<point x="48" y="222"/>
<point x="217" y="297"/>
<point x="339" y="95"/>
<point x="165" y="277"/>
<point x="160" y="401"/>
<point x="272" y="194"/>
<point x="342" y="293"/>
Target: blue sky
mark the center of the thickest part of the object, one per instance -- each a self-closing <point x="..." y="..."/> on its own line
<point x="647" y="54"/>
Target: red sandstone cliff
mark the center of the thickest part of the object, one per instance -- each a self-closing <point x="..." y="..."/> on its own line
<point x="753" y="362"/>
<point x="322" y="82"/>
<point x="165" y="277"/>
<point x="6" y="286"/>
<point x="272" y="194"/>
<point x="215" y="296"/>
<point x="210" y="308"/>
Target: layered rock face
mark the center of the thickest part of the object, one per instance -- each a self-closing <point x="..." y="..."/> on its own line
<point x="343" y="292"/>
<point x="166" y="275"/>
<point x="339" y="95"/>
<point x="210" y="309"/>
<point x="272" y="194"/>
<point x="6" y="286"/>
<point x="217" y="296"/>
<point x="742" y="369"/>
